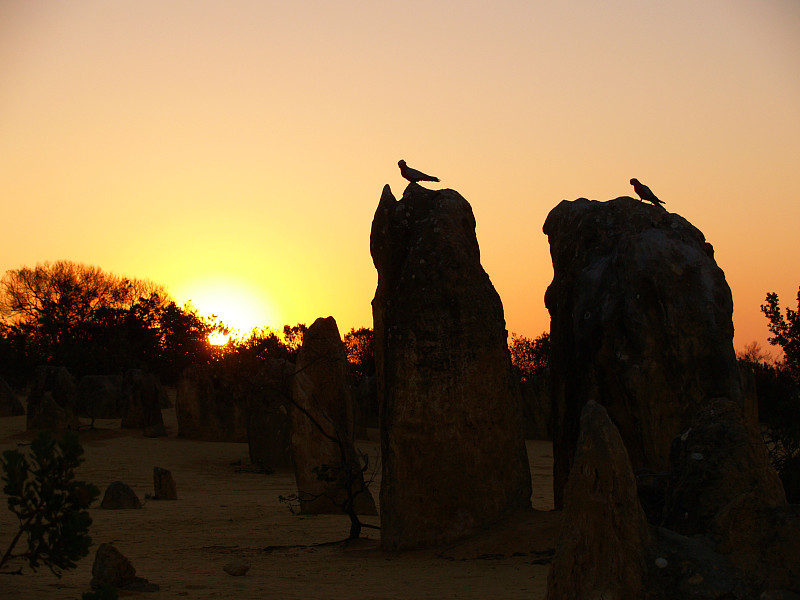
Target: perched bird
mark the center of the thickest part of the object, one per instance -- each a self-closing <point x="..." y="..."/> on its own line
<point x="413" y="175"/>
<point x="645" y="193"/>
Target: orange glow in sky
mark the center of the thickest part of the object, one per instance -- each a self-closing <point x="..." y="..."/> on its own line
<point x="235" y="152"/>
<point x="237" y="304"/>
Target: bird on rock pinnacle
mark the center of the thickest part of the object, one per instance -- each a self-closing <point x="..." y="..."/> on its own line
<point x="645" y="193"/>
<point x="413" y="175"/>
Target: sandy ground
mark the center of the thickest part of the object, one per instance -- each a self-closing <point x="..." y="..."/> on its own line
<point x="226" y="512"/>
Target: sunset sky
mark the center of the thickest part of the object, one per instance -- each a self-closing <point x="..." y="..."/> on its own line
<point x="235" y="151"/>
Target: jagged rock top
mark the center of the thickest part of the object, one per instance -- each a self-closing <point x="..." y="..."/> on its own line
<point x="423" y="223"/>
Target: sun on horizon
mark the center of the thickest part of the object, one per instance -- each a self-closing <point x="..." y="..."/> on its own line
<point x="218" y="338"/>
<point x="236" y="304"/>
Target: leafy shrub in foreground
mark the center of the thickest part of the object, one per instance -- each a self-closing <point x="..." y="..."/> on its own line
<point x="48" y="502"/>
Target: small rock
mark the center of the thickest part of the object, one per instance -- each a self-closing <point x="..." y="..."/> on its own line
<point x="164" y="484"/>
<point x="237" y="569"/>
<point x="662" y="563"/>
<point x="119" y="495"/>
<point x="111" y="568"/>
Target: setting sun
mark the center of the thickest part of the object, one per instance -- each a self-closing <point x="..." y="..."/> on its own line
<point x="218" y="339"/>
<point x="237" y="304"/>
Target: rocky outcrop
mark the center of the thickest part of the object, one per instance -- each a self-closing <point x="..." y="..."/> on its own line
<point x="100" y="396"/>
<point x="322" y="426"/>
<point x="761" y="540"/>
<point x="603" y="547"/>
<point x="453" y="449"/>
<point x="715" y="461"/>
<point x="640" y="322"/>
<point x="207" y="409"/>
<point x="641" y="319"/>
<point x="141" y="404"/>
<point x="723" y="486"/>
<point x="748" y="549"/>
<point x="684" y="567"/>
<point x="52" y="402"/>
<point x="268" y="427"/>
<point x="10" y="405"/>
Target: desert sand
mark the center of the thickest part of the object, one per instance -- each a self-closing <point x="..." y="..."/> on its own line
<point x="227" y="512"/>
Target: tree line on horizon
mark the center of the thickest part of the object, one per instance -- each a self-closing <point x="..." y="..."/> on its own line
<point x="92" y="322"/>
<point x="96" y="323"/>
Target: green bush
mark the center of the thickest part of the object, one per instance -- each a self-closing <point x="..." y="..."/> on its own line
<point x="48" y="502"/>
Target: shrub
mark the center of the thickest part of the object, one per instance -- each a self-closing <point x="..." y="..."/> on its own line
<point x="48" y="502"/>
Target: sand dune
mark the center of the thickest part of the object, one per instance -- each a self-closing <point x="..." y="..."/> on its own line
<point x="227" y="512"/>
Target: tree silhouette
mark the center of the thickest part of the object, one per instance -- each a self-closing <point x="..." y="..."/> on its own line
<point x="530" y="356"/>
<point x="293" y="335"/>
<point x="93" y="322"/>
<point x="52" y="313"/>
<point x="785" y="331"/>
<point x="359" y="345"/>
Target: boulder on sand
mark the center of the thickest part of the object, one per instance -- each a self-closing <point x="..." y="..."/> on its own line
<point x="112" y="568"/>
<point x="119" y="495"/>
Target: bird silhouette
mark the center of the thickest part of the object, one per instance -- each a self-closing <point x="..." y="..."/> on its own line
<point x="413" y="175"/>
<point x="645" y="193"/>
